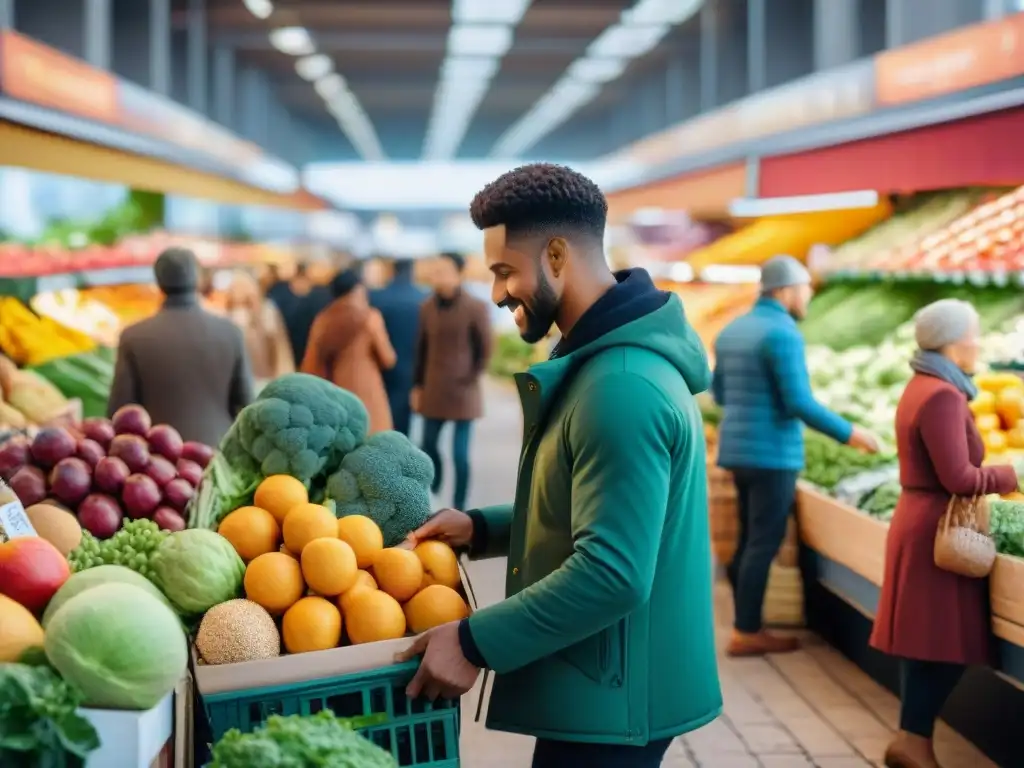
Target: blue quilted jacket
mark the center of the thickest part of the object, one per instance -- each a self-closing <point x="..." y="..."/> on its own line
<point x="761" y="382"/>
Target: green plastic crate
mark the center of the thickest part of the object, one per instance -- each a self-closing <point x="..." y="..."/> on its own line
<point x="418" y="733"/>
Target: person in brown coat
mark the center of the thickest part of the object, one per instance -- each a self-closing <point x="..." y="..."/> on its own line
<point x="936" y="622"/>
<point x="349" y="346"/>
<point x="266" y="340"/>
<point x="452" y="353"/>
<point x="184" y="365"/>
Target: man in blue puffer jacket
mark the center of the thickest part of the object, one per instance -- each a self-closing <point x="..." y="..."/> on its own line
<point x="761" y="382"/>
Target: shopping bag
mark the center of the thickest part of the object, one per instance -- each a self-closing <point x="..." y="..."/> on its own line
<point x="962" y="542"/>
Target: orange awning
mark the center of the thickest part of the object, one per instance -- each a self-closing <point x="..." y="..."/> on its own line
<point x="704" y="195"/>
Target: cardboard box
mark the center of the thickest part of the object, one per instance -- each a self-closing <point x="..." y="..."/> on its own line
<point x="304" y="667"/>
<point x="132" y="739"/>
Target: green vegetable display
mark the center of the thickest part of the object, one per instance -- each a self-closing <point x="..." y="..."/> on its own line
<point x="300" y="425"/>
<point x="882" y="501"/>
<point x="1006" y="524"/>
<point x="87" y="376"/>
<point x="387" y="479"/>
<point x="828" y="463"/>
<point x="197" y="569"/>
<point x="39" y="723"/>
<point x="122" y="647"/>
<point x="132" y="546"/>
<point x="300" y="741"/>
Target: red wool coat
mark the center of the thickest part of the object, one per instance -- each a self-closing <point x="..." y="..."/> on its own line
<point x="924" y="612"/>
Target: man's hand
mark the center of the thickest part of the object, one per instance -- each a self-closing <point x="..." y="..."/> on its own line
<point x="863" y="440"/>
<point x="451" y="526"/>
<point x="444" y="672"/>
<point x="414" y="399"/>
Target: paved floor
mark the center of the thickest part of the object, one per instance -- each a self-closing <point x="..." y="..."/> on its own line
<point x="811" y="708"/>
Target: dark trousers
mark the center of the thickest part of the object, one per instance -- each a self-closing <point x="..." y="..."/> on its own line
<point x="764" y="498"/>
<point x="924" y="688"/>
<point x="567" y="754"/>
<point x="461" y="431"/>
<point x="401" y="411"/>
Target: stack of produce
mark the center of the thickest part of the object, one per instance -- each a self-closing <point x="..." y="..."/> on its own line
<point x="29" y="339"/>
<point x="887" y="245"/>
<point x="100" y="313"/>
<point x="314" y="582"/>
<point x="104" y="471"/>
<point x="999" y="413"/>
<point x="827" y="463"/>
<point x="27" y="399"/>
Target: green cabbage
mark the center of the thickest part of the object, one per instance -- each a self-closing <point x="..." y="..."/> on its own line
<point x="123" y="648"/>
<point x="93" y="577"/>
<point x="197" y="569"/>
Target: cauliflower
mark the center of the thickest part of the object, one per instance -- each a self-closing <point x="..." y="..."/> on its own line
<point x="300" y="425"/>
<point x="387" y="479"/>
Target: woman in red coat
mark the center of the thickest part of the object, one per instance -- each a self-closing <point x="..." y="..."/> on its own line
<point x="936" y="622"/>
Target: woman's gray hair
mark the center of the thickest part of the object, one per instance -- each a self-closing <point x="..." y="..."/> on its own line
<point x="944" y="322"/>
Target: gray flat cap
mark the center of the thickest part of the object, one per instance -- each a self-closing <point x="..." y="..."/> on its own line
<point x="177" y="271"/>
<point x="782" y="272"/>
<point x="943" y="322"/>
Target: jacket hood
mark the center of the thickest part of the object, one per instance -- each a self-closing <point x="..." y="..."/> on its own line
<point x="643" y="317"/>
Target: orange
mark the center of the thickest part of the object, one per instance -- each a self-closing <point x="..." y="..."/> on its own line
<point x="398" y="572"/>
<point x="279" y="494"/>
<point x="307" y="522"/>
<point x="312" y="624"/>
<point x="329" y="566"/>
<point x="252" y="531"/>
<point x="440" y="565"/>
<point x="363" y="535"/>
<point x="373" y="616"/>
<point x="364" y="581"/>
<point x="20" y="632"/>
<point x="274" y="580"/>
<point x="433" y="606"/>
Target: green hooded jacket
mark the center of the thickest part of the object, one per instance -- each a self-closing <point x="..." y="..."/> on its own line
<point x="607" y="634"/>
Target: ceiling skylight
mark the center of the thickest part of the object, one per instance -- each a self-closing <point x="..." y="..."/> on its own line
<point x="294" y="41"/>
<point x="479" y="40"/>
<point x="640" y="30"/>
<point x="489" y="11"/>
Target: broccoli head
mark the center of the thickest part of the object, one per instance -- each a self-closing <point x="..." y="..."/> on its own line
<point x="300" y="425"/>
<point x="387" y="479"/>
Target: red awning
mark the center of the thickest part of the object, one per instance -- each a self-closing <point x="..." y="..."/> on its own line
<point x="978" y="151"/>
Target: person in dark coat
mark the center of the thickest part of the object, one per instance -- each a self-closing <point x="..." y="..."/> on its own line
<point x="452" y="352"/>
<point x="185" y="366"/>
<point x="762" y="385"/>
<point x="299" y="301"/>
<point x="399" y="303"/>
<point x="936" y="622"/>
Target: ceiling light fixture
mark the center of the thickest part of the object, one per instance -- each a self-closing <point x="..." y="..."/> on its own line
<point x="619" y="41"/>
<point x="330" y="86"/>
<point x="468" y="69"/>
<point x="596" y="70"/>
<point x="261" y="9"/>
<point x="314" y="67"/>
<point x="294" y="41"/>
<point x="489" y="11"/>
<point x="490" y="40"/>
<point x="655" y="12"/>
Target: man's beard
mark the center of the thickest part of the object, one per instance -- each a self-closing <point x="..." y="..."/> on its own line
<point x="541" y="312"/>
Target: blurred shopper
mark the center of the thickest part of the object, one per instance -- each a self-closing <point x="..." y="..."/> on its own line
<point x="605" y="646"/>
<point x="184" y="365"/>
<point x="934" y="621"/>
<point x="349" y="346"/>
<point x="399" y="304"/>
<point x="299" y="300"/>
<point x="452" y="352"/>
<point x="266" y="340"/>
<point x="762" y="385"/>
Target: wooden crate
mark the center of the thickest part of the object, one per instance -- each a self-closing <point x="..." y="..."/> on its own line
<point x="842" y="534"/>
<point x="723" y="513"/>
<point x="784" y="598"/>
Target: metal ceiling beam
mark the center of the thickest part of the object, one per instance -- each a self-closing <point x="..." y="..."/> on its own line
<point x="416" y="42"/>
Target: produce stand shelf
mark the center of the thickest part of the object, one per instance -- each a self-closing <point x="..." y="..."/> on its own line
<point x="418" y="733"/>
<point x="842" y="558"/>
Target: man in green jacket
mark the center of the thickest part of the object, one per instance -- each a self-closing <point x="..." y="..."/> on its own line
<point x="604" y="648"/>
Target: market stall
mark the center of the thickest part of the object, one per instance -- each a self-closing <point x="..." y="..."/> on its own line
<point x="134" y="564"/>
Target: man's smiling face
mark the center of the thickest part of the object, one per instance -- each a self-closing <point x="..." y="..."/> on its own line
<point x="521" y="283"/>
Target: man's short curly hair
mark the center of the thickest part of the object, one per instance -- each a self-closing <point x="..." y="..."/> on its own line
<point x="541" y="198"/>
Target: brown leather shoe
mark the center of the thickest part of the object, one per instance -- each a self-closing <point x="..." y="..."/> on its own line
<point x="759" y="644"/>
<point x="910" y="751"/>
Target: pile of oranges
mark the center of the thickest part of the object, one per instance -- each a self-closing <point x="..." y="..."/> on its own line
<point x="330" y="580"/>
